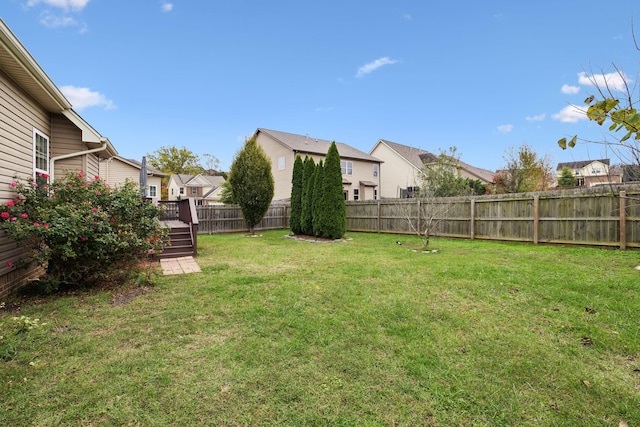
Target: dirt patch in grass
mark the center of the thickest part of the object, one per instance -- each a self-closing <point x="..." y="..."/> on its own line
<point x="128" y="295"/>
<point x="314" y="239"/>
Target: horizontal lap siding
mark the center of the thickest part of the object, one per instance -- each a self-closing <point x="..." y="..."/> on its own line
<point x="19" y="115"/>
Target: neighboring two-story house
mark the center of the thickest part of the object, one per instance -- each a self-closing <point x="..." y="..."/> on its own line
<point x="39" y="133"/>
<point x="204" y="189"/>
<point x="402" y="168"/>
<point x="360" y="171"/>
<point x="592" y="172"/>
<point x="117" y="170"/>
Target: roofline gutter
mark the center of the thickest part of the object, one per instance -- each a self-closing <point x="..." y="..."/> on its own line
<point x="76" y="154"/>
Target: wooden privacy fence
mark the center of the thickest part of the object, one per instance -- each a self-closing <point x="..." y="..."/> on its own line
<point x="601" y="217"/>
<point x="594" y="217"/>
<point x="228" y="219"/>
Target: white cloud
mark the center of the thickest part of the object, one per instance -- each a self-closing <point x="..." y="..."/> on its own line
<point x="571" y="114"/>
<point x="372" y="66"/>
<point x="570" y="90"/>
<point x="407" y="17"/>
<point x="614" y="81"/>
<point x="166" y="7"/>
<point x="505" y="128"/>
<point x="538" y="118"/>
<point x="83" y="97"/>
<point x="75" y="5"/>
<point x="51" y="21"/>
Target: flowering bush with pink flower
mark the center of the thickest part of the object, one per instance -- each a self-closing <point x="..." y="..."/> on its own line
<point x="82" y="230"/>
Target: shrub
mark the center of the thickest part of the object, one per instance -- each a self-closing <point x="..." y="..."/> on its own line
<point x="80" y="228"/>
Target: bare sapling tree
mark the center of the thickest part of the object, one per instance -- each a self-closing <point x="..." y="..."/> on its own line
<point x="439" y="180"/>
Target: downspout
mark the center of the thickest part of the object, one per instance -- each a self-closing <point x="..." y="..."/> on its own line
<point x="69" y="155"/>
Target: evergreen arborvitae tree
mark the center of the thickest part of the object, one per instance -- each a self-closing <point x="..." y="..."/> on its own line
<point x="333" y="217"/>
<point x="296" y="196"/>
<point x="316" y="207"/>
<point x="567" y="178"/>
<point x="306" y="217"/>
<point x="252" y="183"/>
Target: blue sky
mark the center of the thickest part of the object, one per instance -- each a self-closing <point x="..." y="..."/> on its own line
<point x="481" y="76"/>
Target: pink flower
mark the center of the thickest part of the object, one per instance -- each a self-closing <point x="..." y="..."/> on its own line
<point x="84" y="239"/>
<point x="14" y="218"/>
<point x="45" y="175"/>
<point x="94" y="209"/>
<point x="5" y="215"/>
<point x="36" y="224"/>
<point x="24" y="216"/>
<point x="96" y="177"/>
<point x="80" y="175"/>
<point x="9" y="264"/>
<point x="45" y="225"/>
<point x="13" y="184"/>
<point x="88" y="183"/>
<point x="97" y="193"/>
<point x="10" y="203"/>
<point x="148" y="239"/>
<point x="35" y="184"/>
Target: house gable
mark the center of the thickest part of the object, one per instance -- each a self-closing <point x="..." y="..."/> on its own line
<point x="282" y="148"/>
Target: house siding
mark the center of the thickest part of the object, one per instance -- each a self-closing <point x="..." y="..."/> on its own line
<point x="19" y="115"/>
<point x="395" y="173"/>
<point x="116" y="172"/>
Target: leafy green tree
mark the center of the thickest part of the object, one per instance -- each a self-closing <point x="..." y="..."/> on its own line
<point x="252" y="183"/>
<point x="333" y="221"/>
<point x="567" y="178"/>
<point x="317" y="198"/>
<point x="524" y="171"/>
<point x="80" y="228"/>
<point x="441" y="177"/>
<point x="173" y="160"/>
<point x="296" y="196"/>
<point x="226" y="193"/>
<point x="306" y="216"/>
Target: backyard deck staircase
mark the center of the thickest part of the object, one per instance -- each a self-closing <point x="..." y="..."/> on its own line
<point x="181" y="219"/>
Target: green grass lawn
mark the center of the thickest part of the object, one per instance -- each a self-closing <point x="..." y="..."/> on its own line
<point x="364" y="332"/>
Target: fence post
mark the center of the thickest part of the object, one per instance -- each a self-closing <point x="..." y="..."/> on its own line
<point x="379" y="222"/>
<point x="472" y="225"/>
<point x="536" y="218"/>
<point x="419" y="216"/>
<point x="623" y="220"/>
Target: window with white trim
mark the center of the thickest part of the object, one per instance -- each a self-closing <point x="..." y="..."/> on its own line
<point x="181" y="190"/>
<point x="40" y="152"/>
<point x="347" y="167"/>
<point x="153" y="191"/>
<point x="194" y="191"/>
<point x="281" y="163"/>
<point x="356" y="194"/>
<point x="375" y="170"/>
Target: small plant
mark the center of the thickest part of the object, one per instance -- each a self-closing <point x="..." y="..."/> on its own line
<point x="146" y="273"/>
<point x="14" y="334"/>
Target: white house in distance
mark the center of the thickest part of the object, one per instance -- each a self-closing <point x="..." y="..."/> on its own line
<point x="360" y="171"/>
<point x="204" y="189"/>
<point x="39" y="133"/>
<point x="116" y="170"/>
<point x="403" y="164"/>
<point x="592" y="172"/>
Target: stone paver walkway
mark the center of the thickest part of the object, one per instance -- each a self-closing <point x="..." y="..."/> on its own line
<point x="180" y="265"/>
